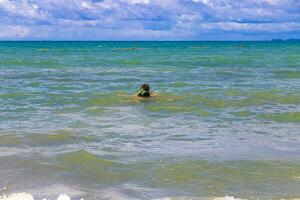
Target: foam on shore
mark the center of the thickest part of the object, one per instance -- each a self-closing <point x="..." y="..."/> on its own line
<point x="25" y="196"/>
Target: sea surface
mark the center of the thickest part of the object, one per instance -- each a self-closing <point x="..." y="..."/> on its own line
<point x="225" y="122"/>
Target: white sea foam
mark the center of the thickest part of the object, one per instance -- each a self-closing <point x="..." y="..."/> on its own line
<point x="25" y="196"/>
<point x="297" y="178"/>
<point x="17" y="196"/>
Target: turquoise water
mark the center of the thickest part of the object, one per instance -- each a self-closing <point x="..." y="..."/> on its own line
<point x="226" y="120"/>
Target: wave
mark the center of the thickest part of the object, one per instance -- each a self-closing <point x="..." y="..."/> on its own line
<point x="89" y="166"/>
<point x="121" y="98"/>
<point x="9" y="139"/>
<point x="59" y="137"/>
<point x="282" y="117"/>
<point x="287" y="74"/>
<point x="26" y="196"/>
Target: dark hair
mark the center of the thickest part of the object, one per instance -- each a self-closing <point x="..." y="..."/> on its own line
<point x="145" y="87"/>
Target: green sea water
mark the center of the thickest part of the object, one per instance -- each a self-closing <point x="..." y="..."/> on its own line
<point x="226" y="121"/>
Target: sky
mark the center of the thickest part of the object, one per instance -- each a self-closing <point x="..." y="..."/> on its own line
<point x="149" y="19"/>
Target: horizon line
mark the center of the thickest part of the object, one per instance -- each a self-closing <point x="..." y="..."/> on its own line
<point x="270" y="40"/>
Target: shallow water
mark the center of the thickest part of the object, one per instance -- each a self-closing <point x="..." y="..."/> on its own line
<point x="226" y="120"/>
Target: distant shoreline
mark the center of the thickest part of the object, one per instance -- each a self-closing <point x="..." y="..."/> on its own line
<point x="272" y="40"/>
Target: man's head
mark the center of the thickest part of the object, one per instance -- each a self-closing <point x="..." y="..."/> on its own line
<point x="145" y="87"/>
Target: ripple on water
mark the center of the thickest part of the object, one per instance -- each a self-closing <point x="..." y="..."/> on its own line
<point x="215" y="178"/>
<point x="213" y="105"/>
<point x="287" y="74"/>
<point x="293" y="117"/>
<point x="89" y="166"/>
<point x="243" y="113"/>
<point x="10" y="140"/>
<point x="59" y="138"/>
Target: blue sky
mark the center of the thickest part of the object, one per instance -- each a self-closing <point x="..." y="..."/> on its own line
<point x="149" y="19"/>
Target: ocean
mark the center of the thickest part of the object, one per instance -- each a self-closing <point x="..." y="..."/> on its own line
<point x="225" y="123"/>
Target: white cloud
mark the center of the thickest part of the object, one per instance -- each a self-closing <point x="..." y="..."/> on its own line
<point x="148" y="17"/>
<point x="250" y="27"/>
<point x="138" y="1"/>
<point x="11" y="31"/>
<point x="22" y="8"/>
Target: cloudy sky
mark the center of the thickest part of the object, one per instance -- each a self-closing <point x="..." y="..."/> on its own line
<point x="149" y="19"/>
